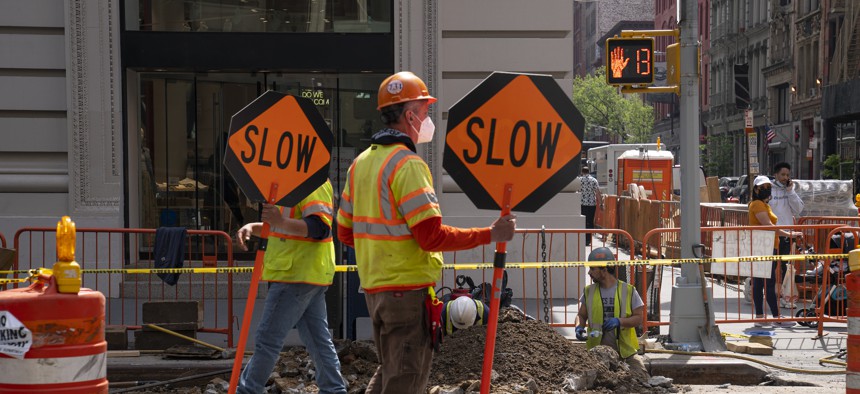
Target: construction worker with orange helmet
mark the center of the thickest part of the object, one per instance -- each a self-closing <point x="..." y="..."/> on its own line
<point x="612" y="309"/>
<point x="390" y="214"/>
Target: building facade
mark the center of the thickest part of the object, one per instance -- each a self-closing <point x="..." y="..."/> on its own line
<point x="595" y="19"/>
<point x="739" y="35"/>
<point x="840" y="107"/>
<point x="116" y="112"/>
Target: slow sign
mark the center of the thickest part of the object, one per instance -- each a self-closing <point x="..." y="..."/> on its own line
<point x="278" y="138"/>
<point x="513" y="128"/>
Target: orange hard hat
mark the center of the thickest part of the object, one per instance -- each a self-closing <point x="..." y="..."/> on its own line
<point x="402" y="87"/>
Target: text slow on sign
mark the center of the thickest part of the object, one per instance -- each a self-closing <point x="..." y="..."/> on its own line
<point x="517" y="136"/>
<point x="285" y="141"/>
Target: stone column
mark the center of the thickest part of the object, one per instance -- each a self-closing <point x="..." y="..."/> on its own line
<point x="93" y="93"/>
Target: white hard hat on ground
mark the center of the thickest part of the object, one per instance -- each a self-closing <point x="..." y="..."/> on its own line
<point x="463" y="312"/>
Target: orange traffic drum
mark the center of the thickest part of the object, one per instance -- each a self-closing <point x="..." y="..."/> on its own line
<point x="52" y="342"/>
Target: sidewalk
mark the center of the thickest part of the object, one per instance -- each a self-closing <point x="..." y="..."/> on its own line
<point x="793" y="347"/>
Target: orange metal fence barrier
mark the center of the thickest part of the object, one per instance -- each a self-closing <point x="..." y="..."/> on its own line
<point x="550" y="294"/>
<point x="814" y="283"/>
<point x="820" y="244"/>
<point x="111" y="249"/>
<point x="637" y="217"/>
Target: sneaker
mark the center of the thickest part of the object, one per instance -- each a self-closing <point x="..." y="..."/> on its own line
<point x="784" y="324"/>
<point x="762" y="324"/>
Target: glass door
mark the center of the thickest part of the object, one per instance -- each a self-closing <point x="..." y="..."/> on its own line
<point x="182" y="131"/>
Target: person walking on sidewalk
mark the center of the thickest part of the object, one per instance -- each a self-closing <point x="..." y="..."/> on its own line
<point x="299" y="265"/>
<point x="590" y="192"/>
<point x="612" y="309"/>
<point x="390" y="214"/>
<point x="760" y="214"/>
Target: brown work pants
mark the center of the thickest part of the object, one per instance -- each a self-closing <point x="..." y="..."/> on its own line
<point x="402" y="341"/>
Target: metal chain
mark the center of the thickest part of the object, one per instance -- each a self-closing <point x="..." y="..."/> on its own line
<point x="543" y="259"/>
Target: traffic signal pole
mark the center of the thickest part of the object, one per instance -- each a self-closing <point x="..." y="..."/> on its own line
<point x="687" y="311"/>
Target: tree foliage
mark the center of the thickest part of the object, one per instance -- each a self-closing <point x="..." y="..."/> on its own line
<point x="718" y="154"/>
<point x="836" y="168"/>
<point x="602" y="105"/>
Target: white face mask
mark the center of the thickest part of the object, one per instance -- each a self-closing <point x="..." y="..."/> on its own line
<point x="425" y="133"/>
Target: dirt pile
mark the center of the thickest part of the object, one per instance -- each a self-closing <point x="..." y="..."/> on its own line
<point x="530" y="357"/>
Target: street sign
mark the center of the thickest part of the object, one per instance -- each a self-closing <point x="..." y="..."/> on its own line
<point x="519" y="129"/>
<point x="631" y="61"/>
<point x="282" y="139"/>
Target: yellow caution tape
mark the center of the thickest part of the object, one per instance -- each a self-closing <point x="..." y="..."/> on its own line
<point x="461" y="266"/>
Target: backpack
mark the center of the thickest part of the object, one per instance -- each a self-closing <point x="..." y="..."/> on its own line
<point x="484" y="291"/>
<point x="466" y="288"/>
<point x="459" y="291"/>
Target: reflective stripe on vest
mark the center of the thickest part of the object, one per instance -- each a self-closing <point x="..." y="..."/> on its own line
<point x="378" y="205"/>
<point x="296" y="259"/>
<point x="627" y="342"/>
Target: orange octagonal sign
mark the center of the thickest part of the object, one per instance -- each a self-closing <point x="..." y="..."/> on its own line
<point x="514" y="128"/>
<point x="278" y="138"/>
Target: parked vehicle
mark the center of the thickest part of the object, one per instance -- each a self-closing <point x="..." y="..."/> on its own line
<point x="740" y="193"/>
<point x="676" y="178"/>
<point x="726" y="184"/>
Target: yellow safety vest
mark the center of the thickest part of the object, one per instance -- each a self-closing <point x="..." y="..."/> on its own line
<point x="627" y="342"/>
<point x="389" y="189"/>
<point x="297" y="259"/>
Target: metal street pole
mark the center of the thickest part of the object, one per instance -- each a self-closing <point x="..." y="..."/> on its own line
<point x="687" y="311"/>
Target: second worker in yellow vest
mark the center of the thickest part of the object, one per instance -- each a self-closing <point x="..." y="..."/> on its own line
<point x="612" y="309"/>
<point x="299" y="266"/>
<point x="390" y="214"/>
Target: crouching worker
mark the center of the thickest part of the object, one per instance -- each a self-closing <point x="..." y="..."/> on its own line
<point x="464" y="312"/>
<point x="613" y="310"/>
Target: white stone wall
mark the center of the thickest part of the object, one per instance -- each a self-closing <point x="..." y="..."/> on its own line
<point x="59" y="114"/>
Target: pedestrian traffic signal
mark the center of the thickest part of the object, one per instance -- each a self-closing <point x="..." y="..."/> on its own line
<point x="631" y="61"/>
<point x="673" y="65"/>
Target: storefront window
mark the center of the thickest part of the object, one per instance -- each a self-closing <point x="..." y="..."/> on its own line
<point x="268" y="16"/>
<point x="182" y="129"/>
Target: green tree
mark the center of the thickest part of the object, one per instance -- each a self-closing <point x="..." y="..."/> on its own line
<point x="835" y="168"/>
<point x="717" y="155"/>
<point x="602" y="105"/>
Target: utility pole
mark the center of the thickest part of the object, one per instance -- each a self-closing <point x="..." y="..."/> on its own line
<point x="688" y="312"/>
<point x="688" y="307"/>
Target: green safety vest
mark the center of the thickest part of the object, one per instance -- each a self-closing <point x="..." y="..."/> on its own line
<point x="389" y="189"/>
<point x="296" y="259"/>
<point x="627" y="342"/>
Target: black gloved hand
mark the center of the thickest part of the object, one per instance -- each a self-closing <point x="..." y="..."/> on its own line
<point x="580" y="333"/>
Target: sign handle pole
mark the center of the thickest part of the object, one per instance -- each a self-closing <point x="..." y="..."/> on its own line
<point x="252" y="297"/>
<point x="495" y="297"/>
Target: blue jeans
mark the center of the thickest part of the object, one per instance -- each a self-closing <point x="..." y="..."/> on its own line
<point x="769" y="288"/>
<point x="291" y="305"/>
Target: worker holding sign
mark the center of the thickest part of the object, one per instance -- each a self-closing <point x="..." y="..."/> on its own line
<point x="390" y="214"/>
<point x="299" y="265"/>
